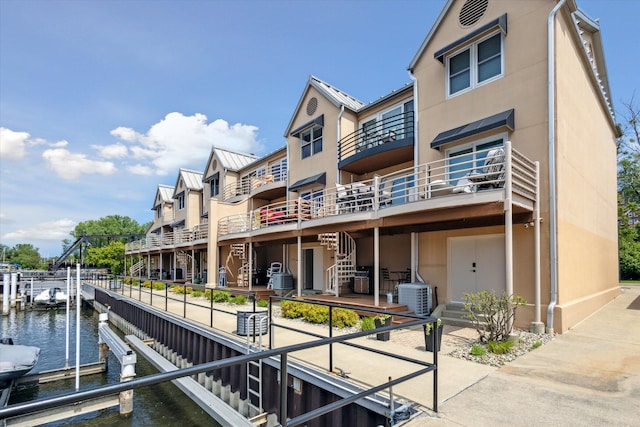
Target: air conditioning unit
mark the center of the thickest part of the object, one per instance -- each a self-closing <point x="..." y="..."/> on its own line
<point x="416" y="296"/>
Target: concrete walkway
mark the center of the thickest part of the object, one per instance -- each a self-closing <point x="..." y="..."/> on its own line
<point x="589" y="375"/>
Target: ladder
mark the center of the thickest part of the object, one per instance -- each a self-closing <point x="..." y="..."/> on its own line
<point x="254" y="367"/>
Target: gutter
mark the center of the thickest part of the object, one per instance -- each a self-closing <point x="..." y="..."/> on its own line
<point x="553" y="226"/>
<point x="415" y="247"/>
<point x="338" y="127"/>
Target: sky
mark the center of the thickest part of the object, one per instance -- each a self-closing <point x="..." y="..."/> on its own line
<point x="101" y="101"/>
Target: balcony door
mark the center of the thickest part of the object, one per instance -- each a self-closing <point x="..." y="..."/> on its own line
<point x="475" y="263"/>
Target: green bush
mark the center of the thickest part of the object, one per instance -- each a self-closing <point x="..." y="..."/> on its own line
<point x="478" y="350"/>
<point x="343" y="317"/>
<point x="176" y="289"/>
<point x="127" y="280"/>
<point x="291" y="309"/>
<point x="197" y="294"/>
<point x="367" y="323"/>
<point x="221" y="296"/>
<point x="536" y="344"/>
<point x="263" y="303"/>
<point x="500" y="347"/>
<point x="159" y="286"/>
<point x="146" y="284"/>
<point x="238" y="299"/>
<point x="492" y="316"/>
<point x="316" y="313"/>
<point x="135" y="282"/>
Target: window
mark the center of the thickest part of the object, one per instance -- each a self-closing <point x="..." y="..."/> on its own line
<point x="468" y="158"/>
<point x="181" y="201"/>
<point x="477" y="64"/>
<point x="214" y="187"/>
<point x="316" y="197"/>
<point x="388" y="125"/>
<point x="279" y="170"/>
<point x="311" y="141"/>
<point x="159" y="212"/>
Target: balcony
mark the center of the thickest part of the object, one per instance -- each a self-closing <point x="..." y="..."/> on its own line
<point x="435" y="195"/>
<point x="196" y="235"/>
<point x="387" y="143"/>
<point x="270" y="185"/>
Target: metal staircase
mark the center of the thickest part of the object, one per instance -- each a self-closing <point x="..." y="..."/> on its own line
<point x="183" y="260"/>
<point x="344" y="268"/>
<point x="240" y="250"/>
<point x="137" y="269"/>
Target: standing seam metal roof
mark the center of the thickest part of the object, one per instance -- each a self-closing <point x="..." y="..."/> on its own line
<point x="233" y="160"/>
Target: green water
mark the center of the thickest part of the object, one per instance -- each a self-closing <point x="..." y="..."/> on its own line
<point x="160" y="405"/>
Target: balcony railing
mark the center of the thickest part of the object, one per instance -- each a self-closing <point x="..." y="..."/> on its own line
<point x="487" y="170"/>
<point x="390" y="129"/>
<point x="243" y="187"/>
<point x="198" y="233"/>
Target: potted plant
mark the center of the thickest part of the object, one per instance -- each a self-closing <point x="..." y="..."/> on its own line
<point x="428" y="338"/>
<point x="381" y="320"/>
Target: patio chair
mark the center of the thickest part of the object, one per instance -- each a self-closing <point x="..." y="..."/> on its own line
<point x="344" y="201"/>
<point x="275" y="268"/>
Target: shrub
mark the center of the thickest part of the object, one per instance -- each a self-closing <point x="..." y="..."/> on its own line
<point x="146" y="284"/>
<point x="536" y="344"/>
<point x="291" y="309"/>
<point x="127" y="280"/>
<point x="197" y="294"/>
<point x="492" y="316"/>
<point x="238" y="299"/>
<point x="188" y="289"/>
<point x="221" y="296"/>
<point x="367" y="323"/>
<point x="135" y="282"/>
<point x="316" y="313"/>
<point x="478" y="350"/>
<point x="159" y="286"/>
<point x="343" y="317"/>
<point x="178" y="289"/>
<point x="263" y="303"/>
<point x="500" y="347"/>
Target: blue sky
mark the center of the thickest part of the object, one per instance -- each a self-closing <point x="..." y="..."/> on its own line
<point x="101" y="101"/>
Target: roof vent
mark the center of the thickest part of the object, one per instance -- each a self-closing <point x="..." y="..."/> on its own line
<point x="312" y="105"/>
<point x="472" y="11"/>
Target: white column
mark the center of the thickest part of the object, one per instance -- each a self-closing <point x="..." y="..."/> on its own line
<point x="508" y="221"/>
<point x="299" y="279"/>
<point x="14" y="288"/>
<point x="376" y="266"/>
<point x="250" y="271"/>
<point x="537" y="326"/>
<point x="6" y="279"/>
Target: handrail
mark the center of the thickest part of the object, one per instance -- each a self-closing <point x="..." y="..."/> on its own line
<point x="390" y="129"/>
<point x="272" y="173"/>
<point x="481" y="171"/>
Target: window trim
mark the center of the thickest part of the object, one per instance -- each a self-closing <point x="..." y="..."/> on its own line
<point x="504" y="136"/>
<point x="378" y="115"/>
<point x="473" y="65"/>
<point x="312" y="141"/>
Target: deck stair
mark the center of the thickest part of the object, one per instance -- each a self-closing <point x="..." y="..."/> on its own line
<point x="184" y="260"/>
<point x="241" y="251"/>
<point x="339" y="275"/>
<point x="452" y="314"/>
<point x="137" y="269"/>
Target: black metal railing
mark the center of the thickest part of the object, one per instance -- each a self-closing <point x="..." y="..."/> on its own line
<point x="390" y="129"/>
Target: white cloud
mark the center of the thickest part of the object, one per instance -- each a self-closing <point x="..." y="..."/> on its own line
<point x="50" y="230"/>
<point x="12" y="144"/>
<point x="140" y="170"/>
<point x="113" y="151"/>
<point x="185" y="141"/>
<point x="58" y="144"/>
<point x="70" y="166"/>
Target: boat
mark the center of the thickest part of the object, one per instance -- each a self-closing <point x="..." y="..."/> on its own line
<point x="51" y="297"/>
<point x="16" y="360"/>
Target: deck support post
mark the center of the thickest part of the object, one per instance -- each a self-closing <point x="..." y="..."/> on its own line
<point x="6" y="277"/>
<point x="14" y="288"/>
<point x="508" y="219"/>
<point x="537" y="327"/>
<point x="299" y="270"/>
<point x="376" y="266"/>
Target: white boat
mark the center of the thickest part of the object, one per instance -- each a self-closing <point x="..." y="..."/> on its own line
<point x="51" y="297"/>
<point x="16" y="360"/>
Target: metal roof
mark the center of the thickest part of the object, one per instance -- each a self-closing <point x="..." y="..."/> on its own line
<point x="166" y="194"/>
<point x="336" y="95"/>
<point x="192" y="179"/>
<point x="233" y="160"/>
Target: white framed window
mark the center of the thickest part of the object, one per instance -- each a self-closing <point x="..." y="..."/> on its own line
<point x="214" y="187"/>
<point x="465" y="159"/>
<point x="475" y="65"/>
<point x="181" y="201"/>
<point x="311" y="141"/>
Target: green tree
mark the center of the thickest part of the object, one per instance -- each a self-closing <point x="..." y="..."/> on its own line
<point x="629" y="192"/>
<point x="26" y="255"/>
<point x="109" y="256"/>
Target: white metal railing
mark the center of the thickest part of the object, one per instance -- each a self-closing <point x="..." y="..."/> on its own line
<point x="199" y="232"/>
<point x="243" y="187"/>
<point x="484" y="170"/>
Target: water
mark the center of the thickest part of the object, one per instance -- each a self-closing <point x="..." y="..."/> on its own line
<point x="162" y="404"/>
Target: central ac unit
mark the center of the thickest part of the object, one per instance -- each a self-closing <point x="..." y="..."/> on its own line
<point x="416" y="296"/>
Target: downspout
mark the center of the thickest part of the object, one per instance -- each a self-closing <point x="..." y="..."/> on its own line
<point x="338" y="128"/>
<point x="415" y="254"/>
<point x="553" y="226"/>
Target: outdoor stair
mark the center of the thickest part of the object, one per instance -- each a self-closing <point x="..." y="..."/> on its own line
<point x="398" y="319"/>
<point x="452" y="314"/>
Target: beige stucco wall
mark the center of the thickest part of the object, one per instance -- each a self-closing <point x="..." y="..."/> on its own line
<point x="587" y="197"/>
<point x="322" y="162"/>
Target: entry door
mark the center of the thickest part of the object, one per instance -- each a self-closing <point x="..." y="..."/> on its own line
<point x="308" y="269"/>
<point x="476" y="264"/>
<point x="313" y="268"/>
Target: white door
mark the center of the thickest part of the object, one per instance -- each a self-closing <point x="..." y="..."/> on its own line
<point x="476" y="264"/>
